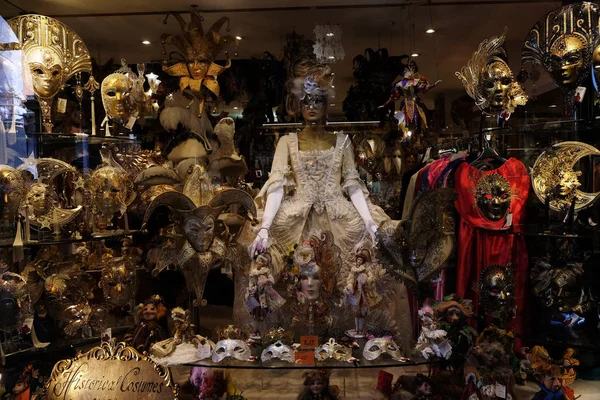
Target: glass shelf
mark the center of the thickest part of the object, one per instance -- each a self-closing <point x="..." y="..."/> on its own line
<point x="47" y="138"/>
<point x="62" y="240"/>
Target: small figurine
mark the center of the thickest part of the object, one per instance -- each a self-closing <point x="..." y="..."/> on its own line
<point x="432" y="341"/>
<point x="148" y="331"/>
<point x="360" y="293"/>
<point x="316" y="386"/>
<point x="495" y="378"/>
<point x="424" y="389"/>
<point x="567" y="363"/>
<point x="452" y="314"/>
<point x="261" y="298"/>
<point x="183" y="347"/>
<point x="550" y="383"/>
<point x="209" y="384"/>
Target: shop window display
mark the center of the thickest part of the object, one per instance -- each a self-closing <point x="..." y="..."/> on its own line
<point x="361" y="235"/>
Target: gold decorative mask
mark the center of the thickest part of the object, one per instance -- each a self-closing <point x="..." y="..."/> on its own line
<point x="554" y="180"/>
<point x="122" y="94"/>
<point x="54" y="53"/>
<point x="197" y="52"/>
<point x="488" y="79"/>
<point x="118" y="281"/>
<point x="562" y="42"/>
<point x="111" y="190"/>
<point x="12" y="190"/>
<point x="493" y="196"/>
<point x="116" y="97"/>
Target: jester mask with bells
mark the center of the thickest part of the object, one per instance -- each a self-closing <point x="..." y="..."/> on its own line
<point x="562" y="42"/>
<point x="53" y="53"/>
<point x="122" y="94"/>
<point x="487" y="78"/>
<point x="194" y="62"/>
<point x="202" y="240"/>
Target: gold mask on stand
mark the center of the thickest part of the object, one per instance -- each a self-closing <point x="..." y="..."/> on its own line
<point x="116" y="97"/>
<point x="488" y="79"/>
<point x="562" y="41"/>
<point x="53" y="53"/>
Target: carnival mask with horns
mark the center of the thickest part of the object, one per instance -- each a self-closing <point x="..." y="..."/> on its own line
<point x="194" y="62"/>
<point x="205" y="235"/>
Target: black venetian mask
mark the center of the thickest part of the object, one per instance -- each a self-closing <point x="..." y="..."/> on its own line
<point x="493" y="196"/>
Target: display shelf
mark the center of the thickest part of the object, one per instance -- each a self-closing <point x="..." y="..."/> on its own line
<point x="56" y="241"/>
<point x="328" y="364"/>
<point x="49" y="138"/>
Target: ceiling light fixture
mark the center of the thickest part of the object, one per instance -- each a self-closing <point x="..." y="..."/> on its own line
<point x="235" y="108"/>
<point x="430" y="30"/>
<point x="146" y="42"/>
<point x="333" y="86"/>
<point x="414" y="55"/>
<point x="238" y="38"/>
<point x="332" y="105"/>
<point x="552" y="106"/>
<point x="330" y="34"/>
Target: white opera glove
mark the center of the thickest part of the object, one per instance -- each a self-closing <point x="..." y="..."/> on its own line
<point x="261" y="240"/>
<point x="360" y="203"/>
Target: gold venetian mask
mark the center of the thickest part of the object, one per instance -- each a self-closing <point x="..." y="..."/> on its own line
<point x="117" y="97"/>
<point x="54" y="53"/>
<point x="497" y="78"/>
<point x="568" y="59"/>
<point x="489" y="81"/>
<point x="46" y="70"/>
<point x="110" y="189"/>
<point x="493" y="196"/>
<point x="118" y="281"/>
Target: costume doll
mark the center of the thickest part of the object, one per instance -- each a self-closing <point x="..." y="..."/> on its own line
<point x="261" y="298"/>
<point x="360" y="292"/>
<point x="452" y="314"/>
<point x="550" y="383"/>
<point x="316" y="386"/>
<point x="148" y="331"/>
<point x="424" y="389"/>
<point x="432" y="341"/>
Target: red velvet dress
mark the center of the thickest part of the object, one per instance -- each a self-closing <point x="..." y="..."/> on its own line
<point x="482" y="241"/>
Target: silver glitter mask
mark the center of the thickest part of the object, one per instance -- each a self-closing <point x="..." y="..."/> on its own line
<point x="278" y="350"/>
<point x="235" y="348"/>
<point x="378" y="346"/>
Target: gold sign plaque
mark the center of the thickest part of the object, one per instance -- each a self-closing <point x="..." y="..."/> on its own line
<point x="110" y="371"/>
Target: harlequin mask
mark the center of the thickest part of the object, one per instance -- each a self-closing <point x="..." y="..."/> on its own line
<point x="117" y="97"/>
<point x="497" y="289"/>
<point x="235" y="348"/>
<point x="111" y="190"/>
<point x="118" y="281"/>
<point x="493" y="195"/>
<point x="378" y="346"/>
<point x="278" y="350"/>
<point x="331" y="349"/>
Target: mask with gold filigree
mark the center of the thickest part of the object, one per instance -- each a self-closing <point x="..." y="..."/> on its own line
<point x="13" y="297"/>
<point x="119" y="94"/>
<point x="197" y="50"/>
<point x="493" y="195"/>
<point x="118" y="281"/>
<point x="562" y="42"/>
<point x="497" y="291"/>
<point x="488" y="79"/>
<point x="53" y="53"/>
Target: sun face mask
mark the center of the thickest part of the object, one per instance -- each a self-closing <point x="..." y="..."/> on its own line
<point x="332" y="349"/>
<point x="235" y="348"/>
<point x="278" y="350"/>
<point x="378" y="346"/>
